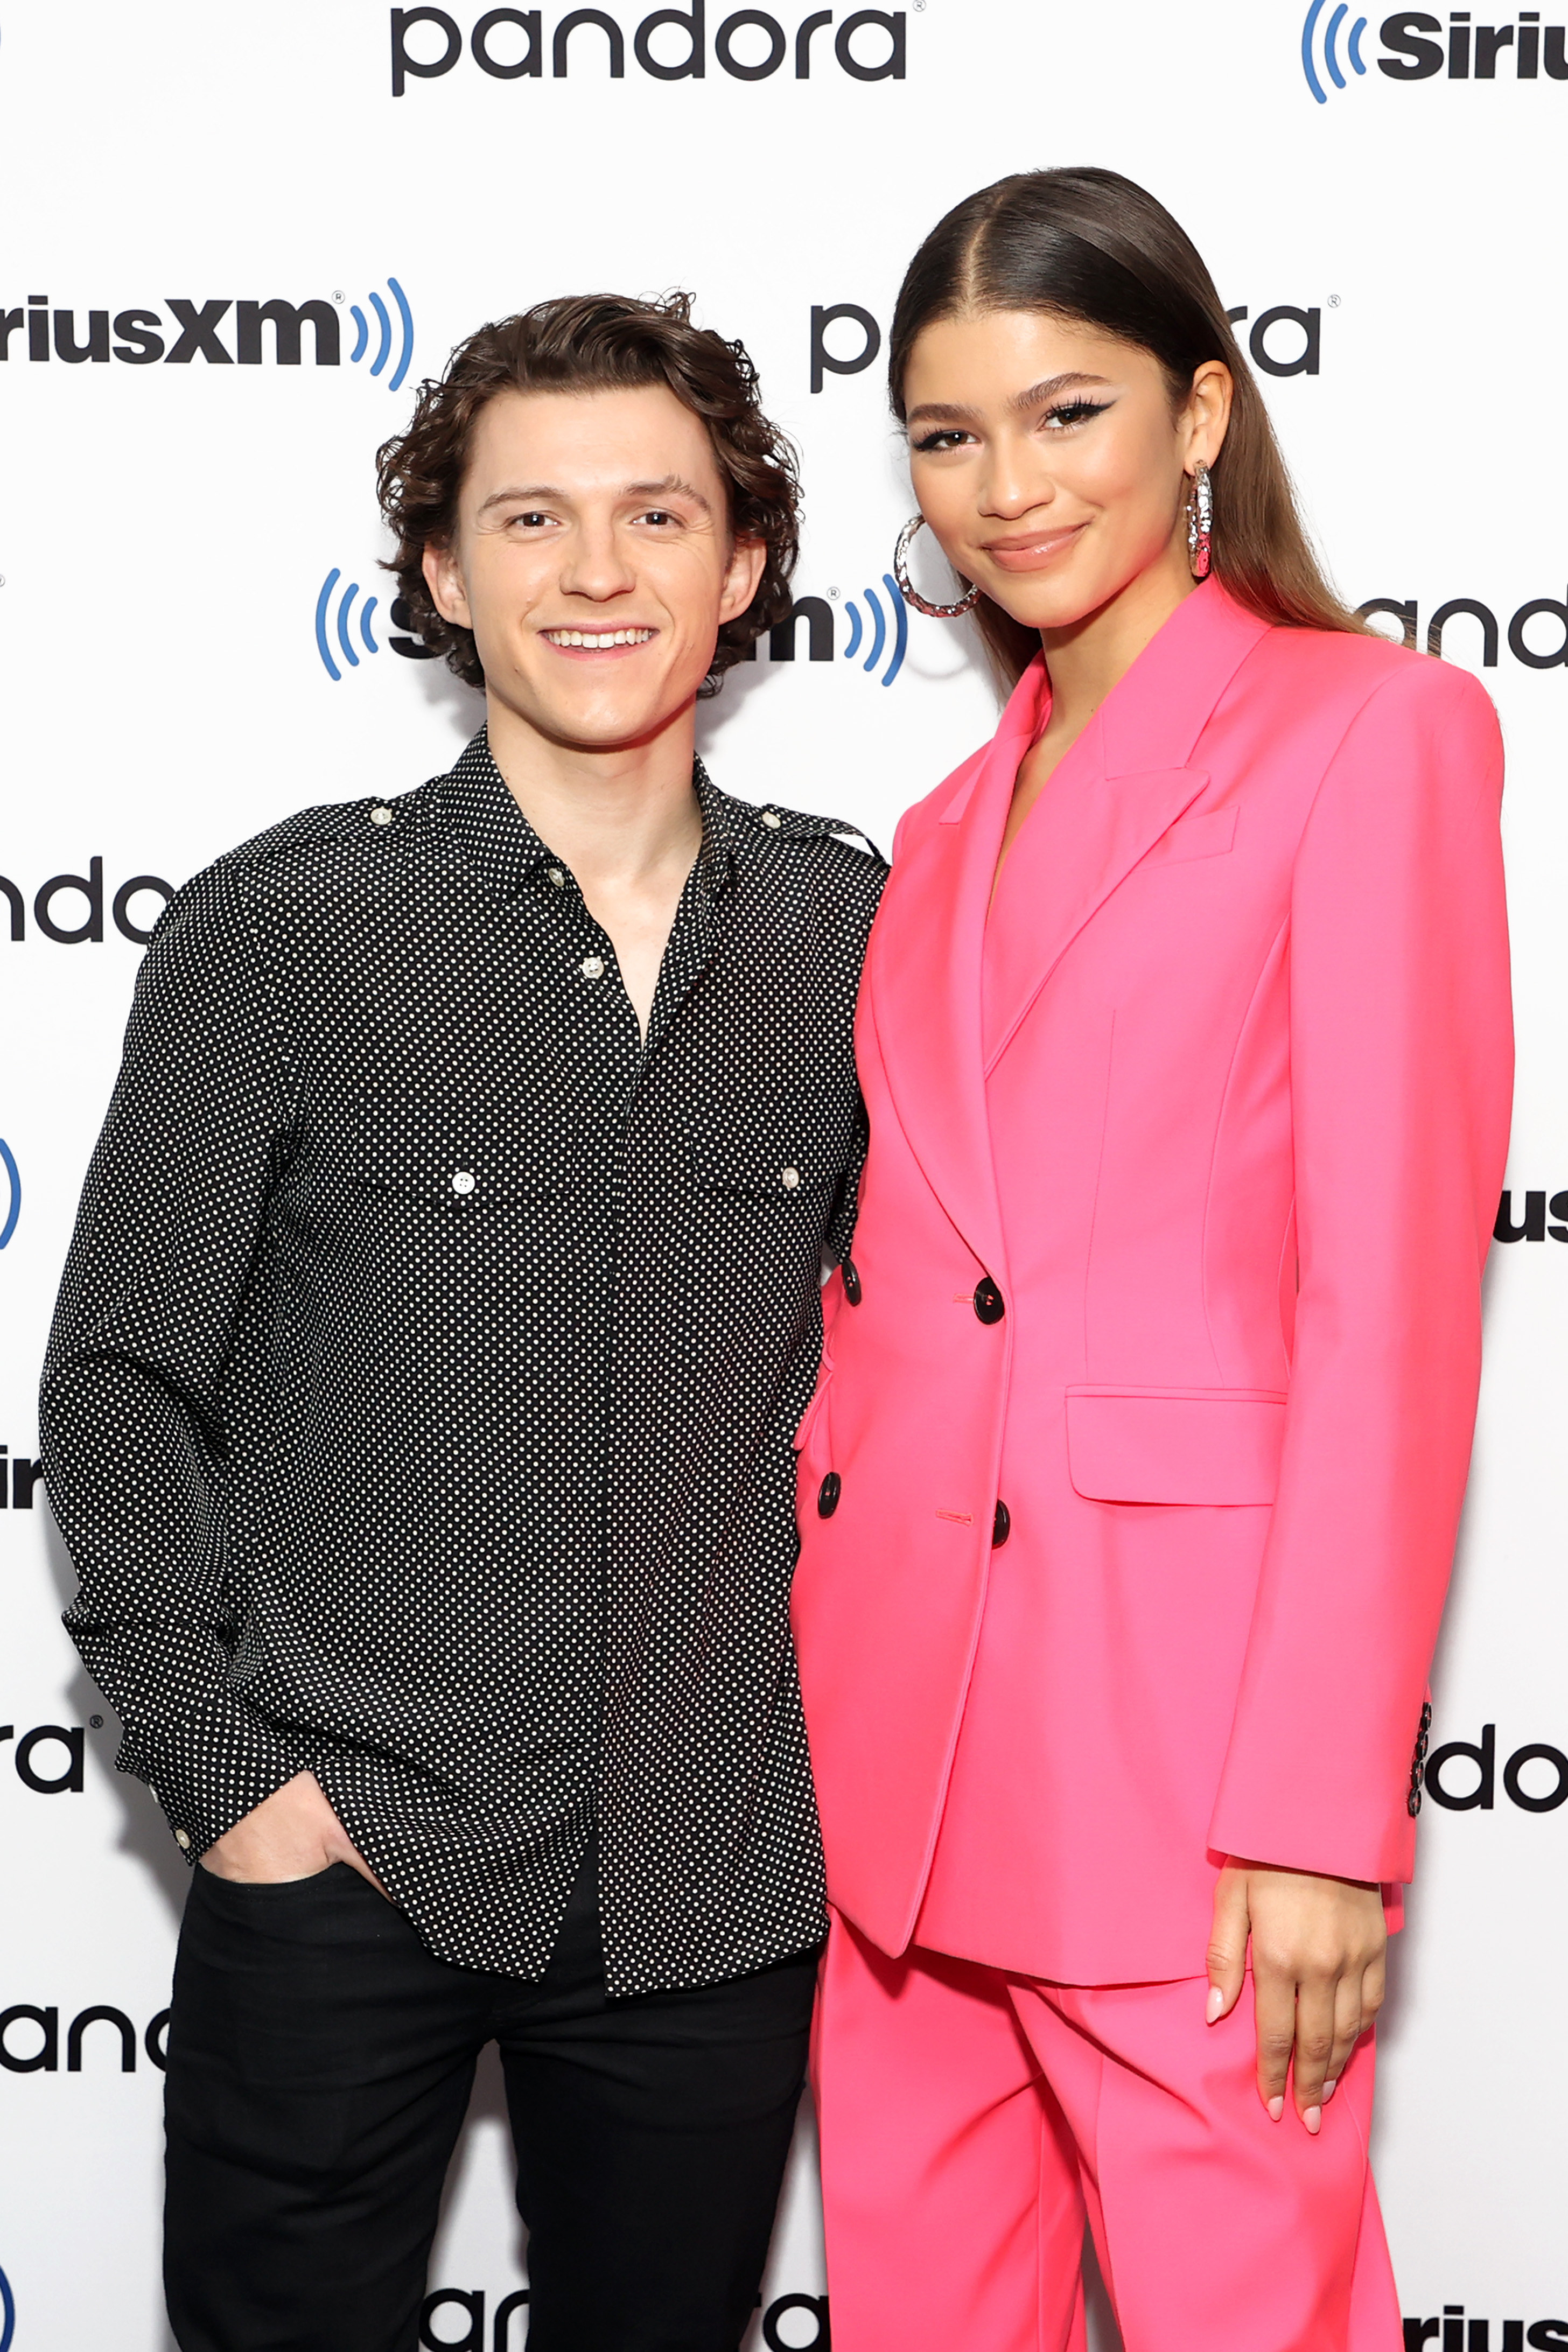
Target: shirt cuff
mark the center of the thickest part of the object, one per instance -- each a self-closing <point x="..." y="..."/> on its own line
<point x="212" y="1768"/>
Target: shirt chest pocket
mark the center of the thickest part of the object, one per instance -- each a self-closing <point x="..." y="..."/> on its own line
<point x="533" y="1155"/>
<point x="795" y="1152"/>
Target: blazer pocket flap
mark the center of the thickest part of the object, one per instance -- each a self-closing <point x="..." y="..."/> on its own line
<point x="1174" y="1445"/>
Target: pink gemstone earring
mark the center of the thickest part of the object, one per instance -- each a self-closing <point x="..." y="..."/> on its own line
<point x="1200" y="522"/>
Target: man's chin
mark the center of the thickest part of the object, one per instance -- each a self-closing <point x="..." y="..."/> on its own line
<point x="595" y="722"/>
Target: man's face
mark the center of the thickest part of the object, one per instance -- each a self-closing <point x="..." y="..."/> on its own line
<point x="593" y="560"/>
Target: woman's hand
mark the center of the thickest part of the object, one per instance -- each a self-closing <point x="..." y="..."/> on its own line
<point x="1317" y="1948"/>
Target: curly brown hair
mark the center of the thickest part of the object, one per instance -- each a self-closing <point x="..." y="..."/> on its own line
<point x="592" y="343"/>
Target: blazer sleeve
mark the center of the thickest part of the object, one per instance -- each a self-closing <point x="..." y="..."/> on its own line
<point x="1401" y="1076"/>
<point x="132" y="1413"/>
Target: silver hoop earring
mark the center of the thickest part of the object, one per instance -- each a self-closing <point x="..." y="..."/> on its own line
<point x="1200" y="522"/>
<point x="907" y="588"/>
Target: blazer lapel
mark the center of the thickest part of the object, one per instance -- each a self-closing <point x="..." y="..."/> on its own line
<point x="922" y="979"/>
<point x="1124" y="783"/>
<point x="923" y="972"/>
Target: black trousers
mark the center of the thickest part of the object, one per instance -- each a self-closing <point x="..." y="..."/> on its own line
<point x="320" y="2067"/>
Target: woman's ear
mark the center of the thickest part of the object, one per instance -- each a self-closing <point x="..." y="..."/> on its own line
<point x="1207" y="415"/>
<point x="443" y="578"/>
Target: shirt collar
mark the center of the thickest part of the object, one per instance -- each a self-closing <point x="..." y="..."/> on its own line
<point x="492" y="834"/>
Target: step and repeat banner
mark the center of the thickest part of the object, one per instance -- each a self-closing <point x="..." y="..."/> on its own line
<point x="235" y="239"/>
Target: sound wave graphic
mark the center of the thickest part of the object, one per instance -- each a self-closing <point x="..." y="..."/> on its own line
<point x="1329" y="47"/>
<point x="878" y="629"/>
<point x="345" y="617"/>
<point x="385" y="330"/>
<point x="13" y="1211"/>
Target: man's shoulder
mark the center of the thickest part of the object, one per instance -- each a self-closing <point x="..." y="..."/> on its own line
<point x="312" y="856"/>
<point x="786" y="843"/>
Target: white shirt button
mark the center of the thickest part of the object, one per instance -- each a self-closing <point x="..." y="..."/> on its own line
<point x="183" y="1840"/>
<point x="771" y="821"/>
<point x="463" y="1180"/>
<point x="789" y="1178"/>
<point x="557" y="876"/>
<point x="591" y="967"/>
<point x="381" y="816"/>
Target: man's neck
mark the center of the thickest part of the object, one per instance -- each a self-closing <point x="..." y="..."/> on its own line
<point x="624" y="818"/>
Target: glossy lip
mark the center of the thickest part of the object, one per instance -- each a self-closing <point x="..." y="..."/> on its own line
<point x="1034" y="552"/>
<point x="599" y="653"/>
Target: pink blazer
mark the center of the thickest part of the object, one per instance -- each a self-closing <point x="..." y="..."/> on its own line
<point x="1189" y="1281"/>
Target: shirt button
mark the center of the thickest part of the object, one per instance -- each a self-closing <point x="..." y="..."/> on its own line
<point x="591" y="967"/>
<point x="557" y="876"/>
<point x="789" y="1179"/>
<point x="378" y="816"/>
<point x="828" y="1495"/>
<point x="988" y="1301"/>
<point x="463" y="1180"/>
<point x="183" y="1840"/>
<point x="1001" y="1526"/>
<point x="771" y="821"/>
<point x="852" y="1290"/>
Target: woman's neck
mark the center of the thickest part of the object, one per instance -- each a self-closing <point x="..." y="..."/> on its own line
<point x="1094" y="655"/>
<point x="1084" y="662"/>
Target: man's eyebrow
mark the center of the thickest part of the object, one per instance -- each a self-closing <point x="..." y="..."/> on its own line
<point x="539" y="491"/>
<point x="672" y="485"/>
<point x="1051" y="387"/>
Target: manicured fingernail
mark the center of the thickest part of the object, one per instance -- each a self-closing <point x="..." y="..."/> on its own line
<point x="1217" y="2002"/>
<point x="1276" y="2108"/>
<point x="1313" y="2119"/>
<point x="1329" y="2090"/>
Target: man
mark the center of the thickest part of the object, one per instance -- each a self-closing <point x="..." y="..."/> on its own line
<point x="420" y="1404"/>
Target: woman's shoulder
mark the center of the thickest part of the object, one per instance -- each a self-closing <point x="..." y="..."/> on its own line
<point x="1356" y="667"/>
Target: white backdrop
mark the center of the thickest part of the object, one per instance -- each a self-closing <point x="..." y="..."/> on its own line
<point x="186" y="514"/>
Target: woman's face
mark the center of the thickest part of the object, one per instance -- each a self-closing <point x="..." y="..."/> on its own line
<point x="1047" y="461"/>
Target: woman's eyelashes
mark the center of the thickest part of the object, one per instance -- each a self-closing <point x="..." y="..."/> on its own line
<point x="1073" y="411"/>
<point x="1062" y="418"/>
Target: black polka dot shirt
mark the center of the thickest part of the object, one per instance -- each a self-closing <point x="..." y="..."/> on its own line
<point x="420" y="1402"/>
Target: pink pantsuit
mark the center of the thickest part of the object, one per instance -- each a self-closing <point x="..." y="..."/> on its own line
<point x="1129" y="1490"/>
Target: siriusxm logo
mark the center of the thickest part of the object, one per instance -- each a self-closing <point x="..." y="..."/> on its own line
<point x="1326" y="45"/>
<point x="878" y="638"/>
<point x="182" y="331"/>
<point x="1417" y="46"/>
<point x="8" y="2314"/>
<point x="1450" y="2332"/>
<point x="342" y="623"/>
<point x="510" y="45"/>
<point x="875" y="640"/>
<point x="11" y="1196"/>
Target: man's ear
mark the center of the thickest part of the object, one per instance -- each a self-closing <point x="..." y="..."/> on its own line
<point x="748" y="561"/>
<point x="443" y="578"/>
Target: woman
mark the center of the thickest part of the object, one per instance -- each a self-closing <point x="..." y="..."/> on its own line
<point x="1130" y="1491"/>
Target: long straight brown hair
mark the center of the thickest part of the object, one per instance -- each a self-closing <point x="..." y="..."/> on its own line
<point x="1089" y="246"/>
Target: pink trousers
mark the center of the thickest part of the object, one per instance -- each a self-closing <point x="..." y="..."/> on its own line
<point x="970" y="2121"/>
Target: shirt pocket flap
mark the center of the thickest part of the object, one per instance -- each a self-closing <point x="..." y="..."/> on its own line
<point x="1174" y="1445"/>
<point x="775" y="1150"/>
<point x="532" y="1155"/>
